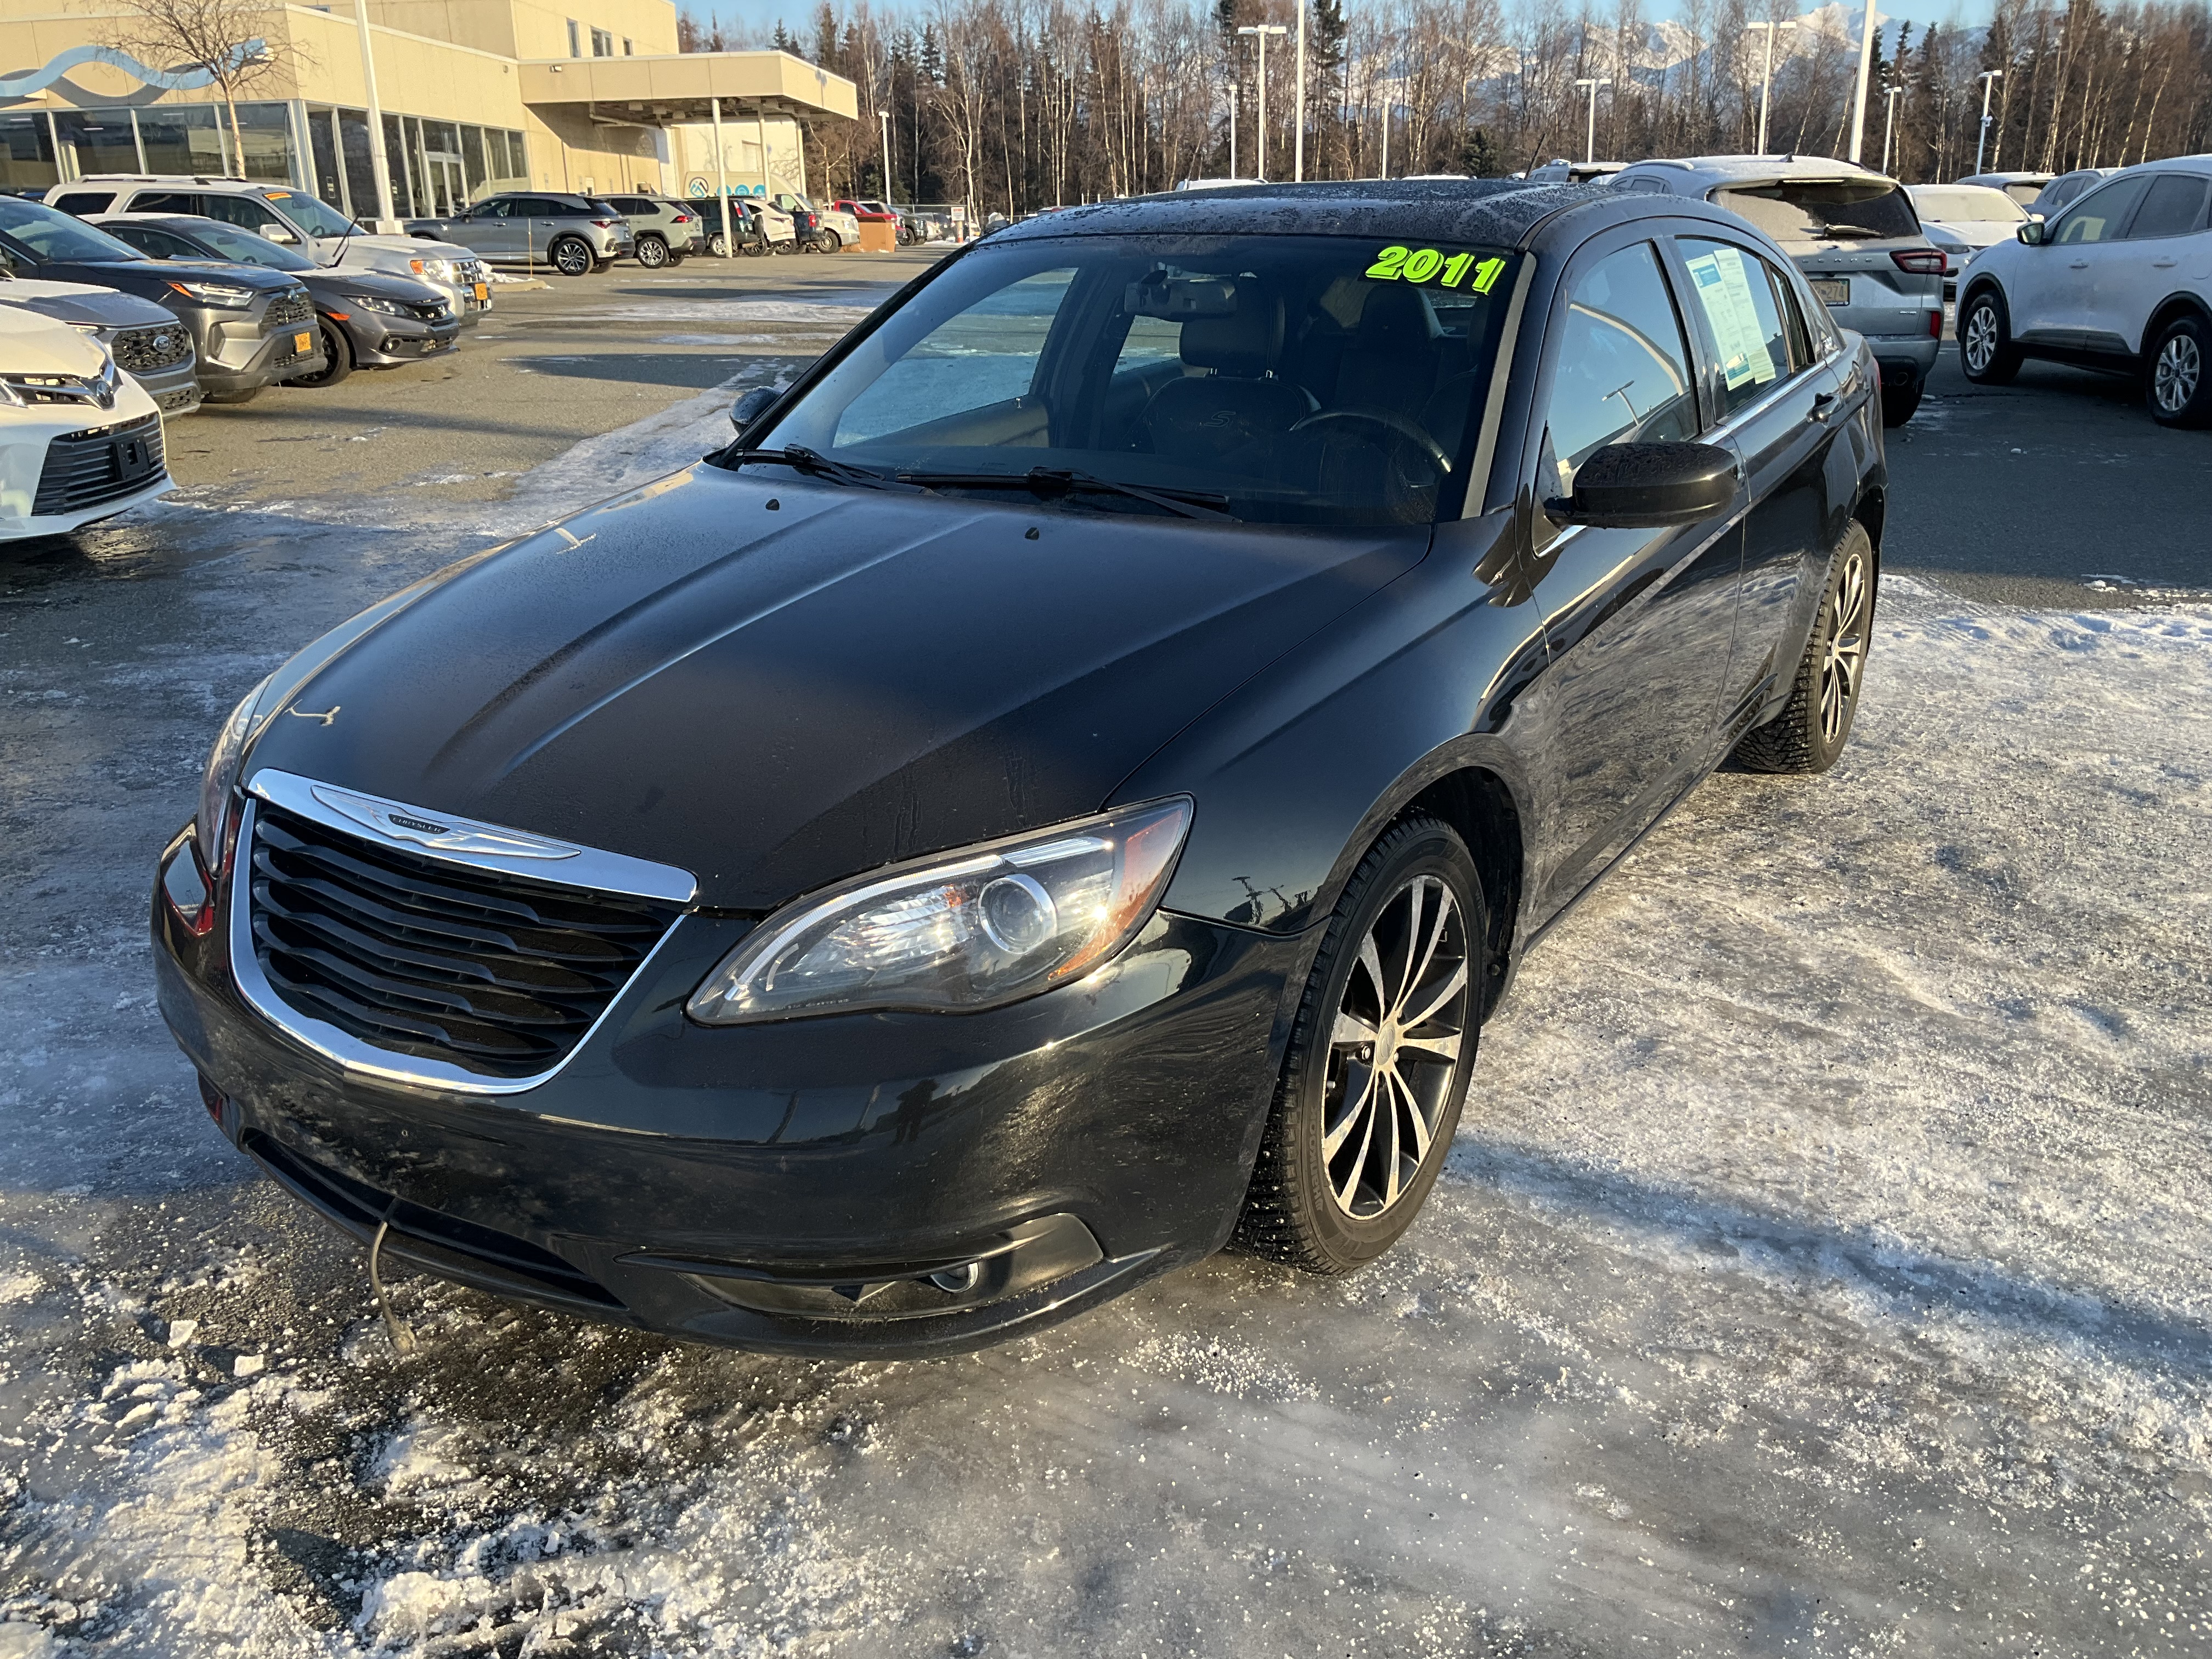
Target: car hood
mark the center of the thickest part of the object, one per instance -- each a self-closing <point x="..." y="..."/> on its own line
<point x="394" y="252"/>
<point x="773" y="685"/>
<point x="82" y="302"/>
<point x="32" y="344"/>
<point x="376" y="284"/>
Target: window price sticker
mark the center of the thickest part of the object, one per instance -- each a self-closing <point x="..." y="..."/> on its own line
<point x="1725" y="290"/>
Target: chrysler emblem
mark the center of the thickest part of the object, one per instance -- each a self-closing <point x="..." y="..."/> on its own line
<point x="440" y="834"/>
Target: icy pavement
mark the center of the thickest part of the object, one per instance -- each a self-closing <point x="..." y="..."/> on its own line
<point x="1820" y="1268"/>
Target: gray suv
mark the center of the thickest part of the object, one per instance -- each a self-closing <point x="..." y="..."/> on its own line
<point x="667" y="230"/>
<point x="1852" y="231"/>
<point x="576" y="236"/>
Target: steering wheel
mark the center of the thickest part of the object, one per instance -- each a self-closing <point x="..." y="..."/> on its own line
<point x="1396" y="425"/>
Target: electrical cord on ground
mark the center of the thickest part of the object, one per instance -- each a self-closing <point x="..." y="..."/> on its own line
<point x="402" y="1338"/>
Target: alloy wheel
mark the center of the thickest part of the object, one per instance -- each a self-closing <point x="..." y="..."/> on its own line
<point x="1843" y="658"/>
<point x="653" y="253"/>
<point x="572" y="258"/>
<point x="1981" y="337"/>
<point x="1395" y="1048"/>
<point x="2181" y="368"/>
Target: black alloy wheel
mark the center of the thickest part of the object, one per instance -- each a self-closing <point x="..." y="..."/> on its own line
<point x="754" y="249"/>
<point x="1986" y="352"/>
<point x="2178" y="375"/>
<point x="1379" y="1059"/>
<point x="571" y="256"/>
<point x="653" y="252"/>
<point x="1810" y="732"/>
<point x="337" y="357"/>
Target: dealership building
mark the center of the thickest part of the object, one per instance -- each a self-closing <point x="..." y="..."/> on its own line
<point x="472" y="96"/>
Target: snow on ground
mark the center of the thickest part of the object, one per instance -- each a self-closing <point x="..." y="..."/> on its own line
<point x="1819" y="1269"/>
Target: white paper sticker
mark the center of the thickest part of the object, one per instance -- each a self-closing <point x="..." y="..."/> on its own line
<point x="1724" y="287"/>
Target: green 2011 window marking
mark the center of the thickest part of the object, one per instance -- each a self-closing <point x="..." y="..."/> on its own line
<point x="1428" y="265"/>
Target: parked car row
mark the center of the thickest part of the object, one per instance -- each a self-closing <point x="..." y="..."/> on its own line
<point x="585" y="235"/>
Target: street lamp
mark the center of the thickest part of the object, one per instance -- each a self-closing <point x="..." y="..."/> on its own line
<point x="884" y="116"/>
<point x="1766" y="80"/>
<point x="1263" y="30"/>
<point x="1868" y="24"/>
<point x="1590" y="151"/>
<point x="1889" y="125"/>
<point x="1988" y="76"/>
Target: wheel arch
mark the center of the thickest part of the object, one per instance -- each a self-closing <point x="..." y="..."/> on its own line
<point x="1479" y="805"/>
<point x="2181" y="303"/>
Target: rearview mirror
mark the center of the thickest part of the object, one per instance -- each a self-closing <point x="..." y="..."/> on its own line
<point x="2031" y="233"/>
<point x="750" y="407"/>
<point x="1647" y="486"/>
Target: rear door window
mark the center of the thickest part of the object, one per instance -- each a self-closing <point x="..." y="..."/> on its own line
<point x="2173" y="206"/>
<point x="1743" y="315"/>
<point x="84" y="203"/>
<point x="168" y="201"/>
<point x="1824" y="209"/>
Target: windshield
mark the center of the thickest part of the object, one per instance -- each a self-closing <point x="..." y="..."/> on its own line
<point x="1824" y="209"/>
<point x="311" y="213"/>
<point x="52" y="235"/>
<point x="1959" y="204"/>
<point x="244" y="248"/>
<point x="1284" y="379"/>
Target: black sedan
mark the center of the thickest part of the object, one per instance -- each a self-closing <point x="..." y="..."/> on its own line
<point x="1062" y="791"/>
<point x="366" y="319"/>
<point x="249" y="326"/>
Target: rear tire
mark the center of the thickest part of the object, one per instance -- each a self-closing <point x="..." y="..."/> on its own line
<point x="571" y="257"/>
<point x="753" y="250"/>
<point x="2178" y="377"/>
<point x="1812" y="729"/>
<point x="1986" y="352"/>
<point x="1898" y="403"/>
<point x="337" y="357"/>
<point x="653" y="253"/>
<point x="1378" y="1061"/>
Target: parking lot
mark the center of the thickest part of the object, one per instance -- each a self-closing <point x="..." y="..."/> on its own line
<point x="1819" y="1268"/>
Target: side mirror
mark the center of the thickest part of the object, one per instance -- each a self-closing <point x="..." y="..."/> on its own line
<point x="2032" y="232"/>
<point x="280" y="234"/>
<point x="1649" y="486"/>
<point x="750" y="407"/>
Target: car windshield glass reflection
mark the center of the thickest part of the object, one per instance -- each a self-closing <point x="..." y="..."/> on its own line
<point x="312" y="213"/>
<point x="52" y="235"/>
<point x="247" y="249"/>
<point x="1306" y="379"/>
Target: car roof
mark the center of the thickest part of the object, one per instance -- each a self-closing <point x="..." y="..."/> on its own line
<point x="1496" y="212"/>
<point x="1714" y="172"/>
<point x="1998" y="180"/>
<point x="2169" y="164"/>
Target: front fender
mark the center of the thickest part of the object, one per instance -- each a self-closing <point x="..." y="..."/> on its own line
<point x="1298" y="771"/>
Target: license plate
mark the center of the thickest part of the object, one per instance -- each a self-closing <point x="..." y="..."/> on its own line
<point x="1831" y="290"/>
<point x="483" y="292"/>
<point x="303" y="343"/>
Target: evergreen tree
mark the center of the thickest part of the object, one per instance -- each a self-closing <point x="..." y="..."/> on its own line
<point x="1480" y="159"/>
<point x="784" y="40"/>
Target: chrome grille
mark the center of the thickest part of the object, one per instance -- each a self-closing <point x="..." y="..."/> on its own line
<point x="149" y="351"/>
<point x="288" y="308"/>
<point x="85" y="468"/>
<point x="499" y="976"/>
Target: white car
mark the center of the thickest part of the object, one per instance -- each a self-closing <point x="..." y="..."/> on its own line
<point x="2022" y="187"/>
<point x="2121" y="281"/>
<point x="306" y="224"/>
<point x="1964" y="219"/>
<point x="79" y="439"/>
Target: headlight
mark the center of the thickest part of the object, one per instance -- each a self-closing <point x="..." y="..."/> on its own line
<point x="387" y="307"/>
<point x="220" y="778"/>
<point x="226" y="296"/>
<point x="437" y="270"/>
<point x="990" y="924"/>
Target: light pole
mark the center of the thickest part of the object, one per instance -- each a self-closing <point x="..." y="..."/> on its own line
<point x="1262" y="31"/>
<point x="379" y="165"/>
<point x="1982" y="143"/>
<point x="1873" y="22"/>
<point x="1298" y="138"/>
<point x="1888" y="126"/>
<point x="884" y="116"/>
<point x="1590" y="150"/>
<point x="1767" y="79"/>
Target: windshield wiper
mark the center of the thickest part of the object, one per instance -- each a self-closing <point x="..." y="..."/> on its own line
<point x="805" y="461"/>
<point x="1054" y="483"/>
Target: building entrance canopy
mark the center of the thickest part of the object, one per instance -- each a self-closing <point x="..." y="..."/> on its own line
<point x="683" y="87"/>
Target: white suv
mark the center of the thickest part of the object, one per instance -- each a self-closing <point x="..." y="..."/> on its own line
<point x="2121" y="281"/>
<point x="299" y="221"/>
<point x="79" y="439"/>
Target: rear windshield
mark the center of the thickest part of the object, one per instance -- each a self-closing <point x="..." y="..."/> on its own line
<point x="1288" y="380"/>
<point x="1961" y="205"/>
<point x="1824" y="210"/>
<point x="2023" y="194"/>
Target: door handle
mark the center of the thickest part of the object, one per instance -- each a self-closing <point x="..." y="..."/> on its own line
<point x="1824" y="405"/>
<point x="2079" y="264"/>
<point x="2162" y="264"/>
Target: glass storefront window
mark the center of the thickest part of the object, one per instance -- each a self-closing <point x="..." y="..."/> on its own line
<point x="26" y="161"/>
<point x="98" y="140"/>
<point x="359" y="196"/>
<point x="402" y="177"/>
<point x="472" y="160"/>
<point x="181" y="138"/>
<point x="266" y="132"/>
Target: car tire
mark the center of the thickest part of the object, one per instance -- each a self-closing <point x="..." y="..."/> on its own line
<point x="754" y="250"/>
<point x="2177" y="374"/>
<point x="337" y="357"/>
<point x="1812" y="729"/>
<point x="571" y="256"/>
<point x="653" y="253"/>
<point x="1898" y="403"/>
<point x="1986" y="352"/>
<point x="829" y="242"/>
<point x="1408" y="935"/>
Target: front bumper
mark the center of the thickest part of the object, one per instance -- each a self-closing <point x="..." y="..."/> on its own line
<point x="727" y="1184"/>
<point x="27" y="444"/>
<point x="381" y="342"/>
<point x="175" y="391"/>
<point x="235" y="355"/>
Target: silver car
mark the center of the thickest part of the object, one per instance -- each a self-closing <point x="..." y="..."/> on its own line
<point x="576" y="236"/>
<point x="1855" y="235"/>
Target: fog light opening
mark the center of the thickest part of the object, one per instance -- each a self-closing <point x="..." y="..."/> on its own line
<point x="959" y="1281"/>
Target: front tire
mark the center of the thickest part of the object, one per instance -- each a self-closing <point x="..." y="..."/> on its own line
<point x="337" y="357"/>
<point x="1986" y="352"/>
<point x="1378" y="1061"/>
<point x="1810" y="732"/>
<point x="2178" y="381"/>
<point x="571" y="257"/>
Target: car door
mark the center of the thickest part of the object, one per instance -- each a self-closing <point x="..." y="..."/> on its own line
<point x="1776" y="397"/>
<point x="2156" y="254"/>
<point x="1638" y="622"/>
<point x="486" y="229"/>
<point x="2083" y="252"/>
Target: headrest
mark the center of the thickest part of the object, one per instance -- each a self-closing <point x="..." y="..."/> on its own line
<point x="1242" y="344"/>
<point x="1398" y="321"/>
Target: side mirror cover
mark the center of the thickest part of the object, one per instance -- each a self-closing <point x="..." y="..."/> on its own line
<point x="1649" y="486"/>
<point x="750" y="407"/>
<point x="2032" y="232"/>
<point x="280" y="234"/>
